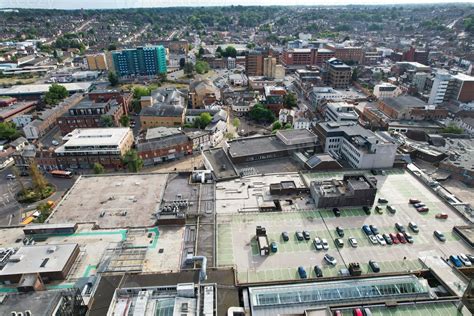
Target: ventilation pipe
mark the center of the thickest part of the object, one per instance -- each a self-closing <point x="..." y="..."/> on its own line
<point x="202" y="272"/>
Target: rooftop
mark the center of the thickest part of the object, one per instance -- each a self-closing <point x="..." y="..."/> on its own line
<point x="43" y="88"/>
<point x="84" y="137"/>
<point x="404" y="102"/>
<point x="159" y="132"/>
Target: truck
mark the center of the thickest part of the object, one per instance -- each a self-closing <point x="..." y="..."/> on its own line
<point x="262" y="241"/>
<point x="354" y="269"/>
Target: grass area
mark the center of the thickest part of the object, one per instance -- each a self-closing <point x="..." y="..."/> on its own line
<point x="9" y="81"/>
<point x="31" y="195"/>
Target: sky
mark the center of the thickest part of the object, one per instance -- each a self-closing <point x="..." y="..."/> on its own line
<point x="115" y="4"/>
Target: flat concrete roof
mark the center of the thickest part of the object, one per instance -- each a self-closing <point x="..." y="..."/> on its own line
<point x="137" y="194"/>
<point x="43" y="88"/>
<point x="39" y="259"/>
<point x="96" y="136"/>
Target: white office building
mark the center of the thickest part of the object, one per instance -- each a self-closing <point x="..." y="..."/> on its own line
<point x="440" y="88"/>
<point x="341" y="112"/>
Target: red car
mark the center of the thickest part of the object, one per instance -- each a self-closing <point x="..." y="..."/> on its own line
<point x="337" y="313"/>
<point x="442" y="215"/>
<point x="401" y="238"/>
<point x="422" y="209"/>
<point x="357" y="312"/>
<point x="414" y="201"/>
<point x="394" y="238"/>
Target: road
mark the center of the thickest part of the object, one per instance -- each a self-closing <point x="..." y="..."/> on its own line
<point x="10" y="210"/>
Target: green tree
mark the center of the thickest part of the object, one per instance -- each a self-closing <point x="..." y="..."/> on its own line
<point x="260" y="113"/>
<point x="355" y="75"/>
<point x="276" y="125"/>
<point x="290" y="100"/>
<point x="453" y="129"/>
<point x="203" y="120"/>
<point x="37" y="178"/>
<point x="133" y="161"/>
<point x="113" y="79"/>
<point x="236" y="122"/>
<point x="188" y="68"/>
<point x="98" y="168"/>
<point x="201" y="52"/>
<point x="125" y="120"/>
<point x="8" y="131"/>
<point x="55" y="94"/>
<point x="287" y="126"/>
<point x="202" y="67"/>
<point x="139" y="92"/>
<point x="112" y="47"/>
<point x="106" y="121"/>
<point x="230" y="51"/>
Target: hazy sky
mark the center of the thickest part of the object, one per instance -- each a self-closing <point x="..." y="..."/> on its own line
<point x="114" y="4"/>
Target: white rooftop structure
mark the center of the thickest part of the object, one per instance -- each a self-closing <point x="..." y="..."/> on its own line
<point x="95" y="139"/>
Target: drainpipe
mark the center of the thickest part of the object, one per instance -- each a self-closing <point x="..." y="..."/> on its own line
<point x="202" y="272"/>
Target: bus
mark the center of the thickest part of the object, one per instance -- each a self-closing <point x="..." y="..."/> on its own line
<point x="61" y="174"/>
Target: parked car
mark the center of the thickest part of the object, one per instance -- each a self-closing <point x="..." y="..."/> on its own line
<point x="340" y="231"/>
<point x="414" y="228"/>
<point x="418" y="205"/>
<point x="318" y="271"/>
<point x="337" y="313"/>
<point x="274" y="247"/>
<point x="439" y="235"/>
<point x="380" y="239"/>
<point x="299" y="236"/>
<point x="339" y="242"/>
<point x="379" y="209"/>
<point x="394" y="238"/>
<point x="401" y="237"/>
<point x="441" y="216"/>
<point x="325" y="244"/>
<point x="366" y="209"/>
<point x="422" y="209"/>
<point x="306" y="235"/>
<point x="285" y="236"/>
<point x="357" y="312"/>
<point x="408" y="237"/>
<point x="54" y="142"/>
<point x="318" y="244"/>
<point x="455" y="260"/>
<point x="330" y="259"/>
<point x="382" y="200"/>
<point x="387" y="238"/>
<point x="374" y="266"/>
<point x="373" y="239"/>
<point x="366" y="229"/>
<point x="302" y="272"/>
<point x="414" y="201"/>
<point x="391" y="209"/>
<point x="10" y="176"/>
<point x="367" y="312"/>
<point x="471" y="258"/>
<point x="400" y="227"/>
<point x="337" y="212"/>
<point x="465" y="260"/>
<point x="374" y="229"/>
<point x="353" y="242"/>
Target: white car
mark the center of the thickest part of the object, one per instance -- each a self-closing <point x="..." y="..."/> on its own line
<point x="330" y="259"/>
<point x="380" y="239"/>
<point x="54" y="142"/>
<point x="325" y="244"/>
<point x="353" y="242"/>
<point x="373" y="239"/>
<point x="317" y="244"/>
<point x="465" y="260"/>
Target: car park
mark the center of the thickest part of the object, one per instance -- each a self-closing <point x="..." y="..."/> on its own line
<point x="285" y="236"/>
<point x="382" y="200"/>
<point x="441" y="216"/>
<point x="337" y="212"/>
<point x="374" y="229"/>
<point x="318" y="271"/>
<point x="414" y="228"/>
<point x="401" y="237"/>
<point x="340" y="231"/>
<point x="373" y="239"/>
<point x="318" y="245"/>
<point x="353" y="242"/>
<point x="455" y="261"/>
<point x="391" y="209"/>
<point x="380" y="239"/>
<point x="330" y="259"/>
<point x="366" y="229"/>
<point x="387" y="238"/>
<point x="299" y="236"/>
<point x="439" y="235"/>
<point x="366" y="209"/>
<point x="274" y="247"/>
<point x="339" y="242"/>
<point x="400" y="227"/>
<point x="306" y="235"/>
<point x="414" y="201"/>
<point x="325" y="244"/>
<point x="464" y="260"/>
<point x="408" y="237"/>
<point x="302" y="272"/>
<point x="394" y="238"/>
<point x="374" y="266"/>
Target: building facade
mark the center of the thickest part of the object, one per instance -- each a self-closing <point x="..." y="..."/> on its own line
<point x="141" y="61"/>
